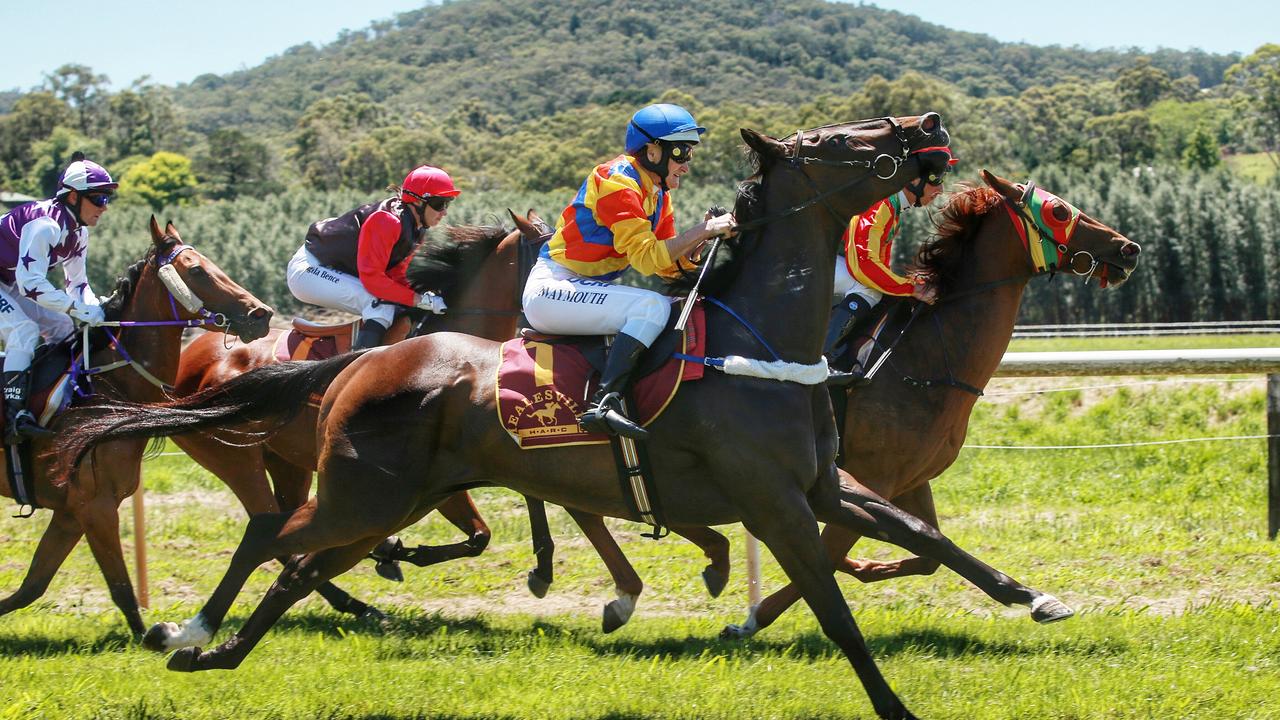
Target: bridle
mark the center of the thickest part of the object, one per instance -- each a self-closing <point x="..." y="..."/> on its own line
<point x="179" y="294"/>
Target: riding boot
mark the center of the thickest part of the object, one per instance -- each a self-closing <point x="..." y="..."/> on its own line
<point x="846" y="318"/>
<point x="20" y="424"/>
<point x="370" y="335"/>
<point x="605" y="414"/>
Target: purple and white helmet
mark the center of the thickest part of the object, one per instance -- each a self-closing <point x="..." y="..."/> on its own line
<point x="83" y="175"/>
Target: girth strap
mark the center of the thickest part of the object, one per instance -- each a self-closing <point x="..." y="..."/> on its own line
<point x="636" y="475"/>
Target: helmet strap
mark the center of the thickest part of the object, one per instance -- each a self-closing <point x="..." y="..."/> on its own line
<point x="659" y="168"/>
<point x="75" y="209"/>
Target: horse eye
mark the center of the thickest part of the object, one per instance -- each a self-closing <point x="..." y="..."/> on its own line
<point x="197" y="271"/>
<point x="1060" y="212"/>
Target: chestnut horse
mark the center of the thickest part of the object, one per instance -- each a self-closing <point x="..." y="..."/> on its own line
<point x="90" y="507"/>
<point x="403" y="428"/>
<point x="907" y="425"/>
<point x="478" y="272"/>
<point x="475" y="269"/>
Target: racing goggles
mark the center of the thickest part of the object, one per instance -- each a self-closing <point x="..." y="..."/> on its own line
<point x="99" y="199"/>
<point x="439" y="204"/>
<point x="681" y="152"/>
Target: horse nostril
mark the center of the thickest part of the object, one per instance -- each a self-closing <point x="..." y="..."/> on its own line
<point x="261" y="313"/>
<point x="1130" y="248"/>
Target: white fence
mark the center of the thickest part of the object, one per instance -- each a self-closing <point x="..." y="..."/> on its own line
<point x="1228" y="327"/>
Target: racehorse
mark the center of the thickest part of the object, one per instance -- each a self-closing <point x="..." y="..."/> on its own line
<point x="908" y="424"/>
<point x="145" y="355"/>
<point x="406" y="426"/>
<point x="477" y="270"/>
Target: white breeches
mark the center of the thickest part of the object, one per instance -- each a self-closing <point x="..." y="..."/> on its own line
<point x="558" y="301"/>
<point x="313" y="283"/>
<point x="845" y="284"/>
<point x="23" y="322"/>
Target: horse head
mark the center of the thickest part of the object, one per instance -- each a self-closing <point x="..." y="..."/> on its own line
<point x="198" y="289"/>
<point x="1059" y="236"/>
<point x="851" y="165"/>
<point x="532" y="227"/>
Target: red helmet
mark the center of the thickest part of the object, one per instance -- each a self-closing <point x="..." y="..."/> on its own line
<point x="426" y="181"/>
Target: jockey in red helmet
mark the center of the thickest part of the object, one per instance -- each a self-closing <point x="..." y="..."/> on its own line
<point x="621" y="217"/>
<point x="356" y="262"/>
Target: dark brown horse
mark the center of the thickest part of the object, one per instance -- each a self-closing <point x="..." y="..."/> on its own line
<point x="908" y="424"/>
<point x="90" y="507"/>
<point x="404" y="427"/>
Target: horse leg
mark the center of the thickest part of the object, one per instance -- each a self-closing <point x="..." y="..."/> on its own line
<point x="460" y="510"/>
<point x="101" y="522"/>
<point x="862" y="511"/>
<point x="543" y="547"/>
<point x="626" y="582"/>
<point x="62" y="534"/>
<point x="788" y="528"/>
<point x="291" y="484"/>
<point x="837" y="541"/>
<point x="919" y="503"/>
<point x="300" y="577"/>
<point x="716" y="549"/>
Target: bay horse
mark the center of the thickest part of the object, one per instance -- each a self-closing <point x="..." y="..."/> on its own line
<point x="149" y="340"/>
<point x="404" y="427"/>
<point x="908" y="424"/>
<point x="478" y="271"/>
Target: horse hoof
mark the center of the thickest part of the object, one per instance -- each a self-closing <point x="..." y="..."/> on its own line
<point x="184" y="660"/>
<point x="537" y="585"/>
<point x="389" y="570"/>
<point x="612" y="619"/>
<point x="745" y="630"/>
<point x="714" y="581"/>
<point x="157" y="637"/>
<point x="1049" y="609"/>
<point x="373" y="614"/>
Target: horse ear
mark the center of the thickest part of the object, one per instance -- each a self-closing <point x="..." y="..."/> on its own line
<point x="534" y="217"/>
<point x="524" y="225"/>
<point x="171" y="230"/>
<point x="1002" y="186"/>
<point x="766" y="147"/>
<point x="156" y="234"/>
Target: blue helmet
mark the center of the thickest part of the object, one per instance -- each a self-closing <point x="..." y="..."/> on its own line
<point x="662" y="122"/>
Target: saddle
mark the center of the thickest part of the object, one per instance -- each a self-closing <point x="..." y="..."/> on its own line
<point x="316" y="341"/>
<point x="866" y="348"/>
<point x="544" y="381"/>
<point x="51" y="392"/>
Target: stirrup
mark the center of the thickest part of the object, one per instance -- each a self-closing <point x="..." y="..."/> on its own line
<point x="24" y="426"/>
<point x="839" y="378"/>
<point x="604" y="417"/>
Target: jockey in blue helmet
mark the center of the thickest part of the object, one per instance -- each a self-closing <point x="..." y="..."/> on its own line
<point x="621" y="217"/>
<point x="33" y="238"/>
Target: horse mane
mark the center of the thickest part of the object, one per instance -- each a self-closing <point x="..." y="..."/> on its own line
<point x="940" y="257"/>
<point x="747" y="205"/>
<point x="127" y="283"/>
<point x="446" y="261"/>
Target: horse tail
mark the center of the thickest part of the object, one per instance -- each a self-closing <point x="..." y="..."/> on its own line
<point x="269" y="397"/>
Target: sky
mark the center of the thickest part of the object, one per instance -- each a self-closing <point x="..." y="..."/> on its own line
<point x="174" y="42"/>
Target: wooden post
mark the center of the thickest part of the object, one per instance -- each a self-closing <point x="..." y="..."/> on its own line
<point x="753" y="570"/>
<point x="140" y="546"/>
<point x="1273" y="455"/>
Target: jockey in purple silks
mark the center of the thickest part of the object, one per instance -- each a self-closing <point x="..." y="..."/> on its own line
<point x="33" y="238"/>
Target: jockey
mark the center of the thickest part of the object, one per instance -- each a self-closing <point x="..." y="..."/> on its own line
<point x="34" y="237"/>
<point x="864" y="276"/>
<point x="356" y="262"/>
<point x="622" y="217"/>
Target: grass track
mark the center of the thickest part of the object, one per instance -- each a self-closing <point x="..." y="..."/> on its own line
<point x="1162" y="548"/>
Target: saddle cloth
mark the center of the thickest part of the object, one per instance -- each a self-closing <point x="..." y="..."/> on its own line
<point x="309" y="341"/>
<point x="51" y="390"/>
<point x="543" y="384"/>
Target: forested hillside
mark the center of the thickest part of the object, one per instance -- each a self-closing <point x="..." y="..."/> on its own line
<point x="518" y="99"/>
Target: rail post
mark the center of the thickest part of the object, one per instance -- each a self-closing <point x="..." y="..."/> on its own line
<point x="1273" y="455"/>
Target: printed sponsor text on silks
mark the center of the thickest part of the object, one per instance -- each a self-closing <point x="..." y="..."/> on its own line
<point x="578" y="296"/>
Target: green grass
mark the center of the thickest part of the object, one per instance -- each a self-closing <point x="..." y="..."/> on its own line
<point x="1154" y="342"/>
<point x="1162" y="549"/>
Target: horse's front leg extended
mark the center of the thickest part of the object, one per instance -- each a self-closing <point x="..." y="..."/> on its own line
<point x="544" y="547"/>
<point x="861" y="510"/>
<point x="788" y="528"/>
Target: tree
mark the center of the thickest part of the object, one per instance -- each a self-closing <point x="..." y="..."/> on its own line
<point x="327" y="130"/>
<point x="81" y="88"/>
<point x="1142" y="84"/>
<point x="164" y="179"/>
<point x="34" y="117"/>
<point x="1256" y="80"/>
<point x="50" y="156"/>
<point x="1125" y="138"/>
<point x="235" y="164"/>
<point x="140" y="120"/>
<point x="1202" y="150"/>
